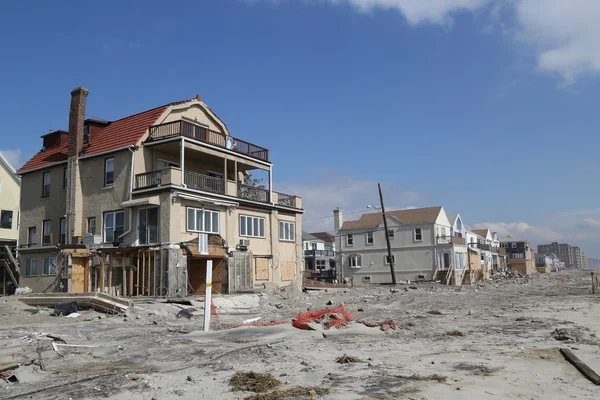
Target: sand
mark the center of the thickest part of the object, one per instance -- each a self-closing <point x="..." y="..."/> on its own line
<point x="493" y="341"/>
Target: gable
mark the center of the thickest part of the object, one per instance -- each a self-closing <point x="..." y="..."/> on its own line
<point x="8" y="171"/>
<point x="442" y="218"/>
<point x="194" y="111"/>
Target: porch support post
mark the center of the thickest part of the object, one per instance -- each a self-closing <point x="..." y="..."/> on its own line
<point x="182" y="161"/>
<point x="225" y="180"/>
<point x="271" y="184"/>
<point x="235" y="177"/>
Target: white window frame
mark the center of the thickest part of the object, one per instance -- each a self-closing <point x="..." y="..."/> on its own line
<point x="106" y="171"/>
<point x="6" y="212"/>
<point x="252" y="222"/>
<point x="29" y="231"/>
<point x="44" y="184"/>
<point x="513" y="245"/>
<point x="355" y="261"/>
<point x="147" y="232"/>
<point x="385" y="259"/>
<point x="51" y="261"/>
<point x="370" y="235"/>
<point x="391" y="233"/>
<point x="89" y="225"/>
<point x="324" y="262"/>
<point x="504" y="245"/>
<point x="443" y="232"/>
<point x="350" y="239"/>
<point x="28" y="266"/>
<point x="207" y="224"/>
<point x="287" y="231"/>
<point x="114" y="226"/>
<point x="63" y="231"/>
<point x="420" y="234"/>
<point x="46" y="233"/>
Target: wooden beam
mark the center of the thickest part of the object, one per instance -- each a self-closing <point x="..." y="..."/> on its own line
<point x="131" y="274"/>
<point x="162" y="273"/>
<point x="149" y="269"/>
<point x="110" y="275"/>
<point x="581" y="366"/>
<point x="154" y="269"/>
<point x="137" y="272"/>
<point x="143" y="272"/>
<point x="102" y="274"/>
<point x="124" y="285"/>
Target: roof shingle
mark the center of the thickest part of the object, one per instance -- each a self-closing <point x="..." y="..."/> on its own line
<point x="117" y="134"/>
<point x="413" y="216"/>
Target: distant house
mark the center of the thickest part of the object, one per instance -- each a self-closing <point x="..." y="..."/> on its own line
<point x="520" y="256"/>
<point x="318" y="253"/>
<point x="10" y="193"/>
<point x="422" y="243"/>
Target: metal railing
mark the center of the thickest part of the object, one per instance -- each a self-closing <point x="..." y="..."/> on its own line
<point x="253" y="193"/>
<point x="203" y="182"/>
<point x="286" y="200"/>
<point x="197" y="132"/>
<point x="148" y="179"/>
<point x="319" y="253"/>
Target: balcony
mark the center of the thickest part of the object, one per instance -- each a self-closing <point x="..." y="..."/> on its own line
<point x="459" y="240"/>
<point x="211" y="184"/>
<point x="204" y="182"/>
<point x="319" y="253"/>
<point x="202" y="134"/>
<point x="254" y="193"/>
<point x="443" y="240"/>
<point x="484" y="246"/>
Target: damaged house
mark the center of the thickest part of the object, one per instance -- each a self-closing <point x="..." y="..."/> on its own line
<point x="138" y="206"/>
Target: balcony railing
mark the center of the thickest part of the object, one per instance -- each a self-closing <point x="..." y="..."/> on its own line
<point x="484" y="246"/>
<point x="286" y="200"/>
<point x="458" y="240"/>
<point x="443" y="240"/>
<point x="148" y="179"/>
<point x="197" y="132"/>
<point x="319" y="253"/>
<point x="253" y="193"/>
<point x="205" y="183"/>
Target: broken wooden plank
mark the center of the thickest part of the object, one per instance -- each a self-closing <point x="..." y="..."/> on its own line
<point x="8" y="367"/>
<point x="581" y="366"/>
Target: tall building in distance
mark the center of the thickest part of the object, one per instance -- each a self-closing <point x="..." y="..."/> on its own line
<point x="572" y="256"/>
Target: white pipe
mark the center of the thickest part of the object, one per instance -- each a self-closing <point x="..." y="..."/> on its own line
<point x="182" y="161"/>
<point x="208" y="297"/>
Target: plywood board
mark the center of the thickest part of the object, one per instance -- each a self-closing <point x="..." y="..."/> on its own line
<point x="288" y="270"/>
<point x="261" y="271"/>
<point x="78" y="275"/>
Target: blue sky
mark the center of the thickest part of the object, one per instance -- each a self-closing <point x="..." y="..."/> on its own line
<point x="488" y="108"/>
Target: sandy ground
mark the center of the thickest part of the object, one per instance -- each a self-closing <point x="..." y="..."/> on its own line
<point x="504" y="346"/>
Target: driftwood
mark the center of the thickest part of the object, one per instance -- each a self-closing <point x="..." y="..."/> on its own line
<point x="581" y="366"/>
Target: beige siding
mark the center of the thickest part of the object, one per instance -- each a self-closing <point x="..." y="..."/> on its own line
<point x="98" y="198"/>
<point x="9" y="201"/>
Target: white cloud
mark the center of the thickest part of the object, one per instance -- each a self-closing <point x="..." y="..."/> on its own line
<point x="419" y="11"/>
<point x="14" y="157"/>
<point x="563" y="33"/>
<point x="521" y="230"/>
<point x="350" y="194"/>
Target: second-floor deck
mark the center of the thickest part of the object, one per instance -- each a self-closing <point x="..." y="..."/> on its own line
<point x="212" y="184"/>
<point x="205" y="135"/>
<point x="319" y="253"/>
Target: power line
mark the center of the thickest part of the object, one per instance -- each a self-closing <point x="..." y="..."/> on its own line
<point x="331" y="216"/>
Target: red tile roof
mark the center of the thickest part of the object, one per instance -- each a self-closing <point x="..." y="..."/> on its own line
<point x="123" y="132"/>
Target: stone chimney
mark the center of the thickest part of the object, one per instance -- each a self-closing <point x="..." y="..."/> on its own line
<point x="76" y="117"/>
<point x="338" y="220"/>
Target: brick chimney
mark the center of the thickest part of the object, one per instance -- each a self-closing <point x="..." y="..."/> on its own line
<point x="76" y="117"/>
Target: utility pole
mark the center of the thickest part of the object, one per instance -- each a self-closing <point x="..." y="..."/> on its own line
<point x="387" y="237"/>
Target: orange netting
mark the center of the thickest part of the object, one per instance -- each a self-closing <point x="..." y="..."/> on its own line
<point x="329" y="317"/>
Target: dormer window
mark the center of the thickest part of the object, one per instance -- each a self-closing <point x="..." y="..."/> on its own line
<point x="86" y="134"/>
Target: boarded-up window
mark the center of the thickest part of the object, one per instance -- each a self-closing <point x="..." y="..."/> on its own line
<point x="262" y="269"/>
<point x="288" y="269"/>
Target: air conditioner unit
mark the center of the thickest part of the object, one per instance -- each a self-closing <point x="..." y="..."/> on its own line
<point x="90" y="239"/>
<point x="244" y="244"/>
